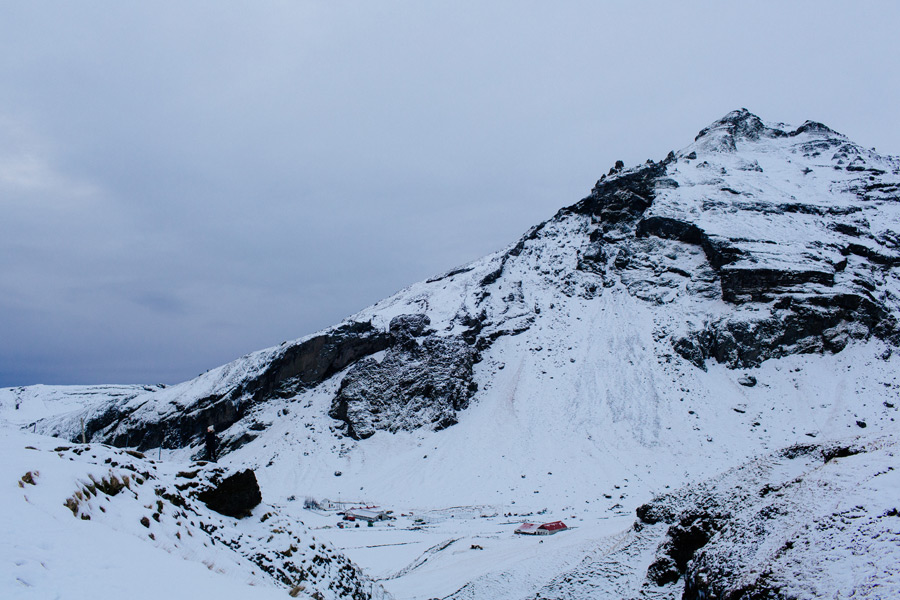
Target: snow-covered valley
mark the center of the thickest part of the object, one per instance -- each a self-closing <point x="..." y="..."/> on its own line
<point x="699" y="342"/>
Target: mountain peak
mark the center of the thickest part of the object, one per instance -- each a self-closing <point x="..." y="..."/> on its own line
<point x="724" y="135"/>
<point x="816" y="127"/>
<point x="737" y="126"/>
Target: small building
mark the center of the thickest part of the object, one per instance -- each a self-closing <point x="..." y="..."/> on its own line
<point x="528" y="529"/>
<point x="553" y="527"/>
<point x="338" y="505"/>
<point x="545" y="529"/>
<point x="364" y="514"/>
<point x="327" y="504"/>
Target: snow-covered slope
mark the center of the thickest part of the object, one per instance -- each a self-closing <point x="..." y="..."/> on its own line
<point x="93" y="521"/>
<point x="809" y="521"/>
<point x="738" y="297"/>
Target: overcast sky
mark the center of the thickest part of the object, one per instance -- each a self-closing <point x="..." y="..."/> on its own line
<point x="185" y="182"/>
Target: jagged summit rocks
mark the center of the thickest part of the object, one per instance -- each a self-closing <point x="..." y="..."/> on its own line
<point x="794" y="229"/>
<point x="739" y="125"/>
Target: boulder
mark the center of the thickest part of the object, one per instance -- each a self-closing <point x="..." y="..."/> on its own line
<point x="747" y="380"/>
<point x="235" y="496"/>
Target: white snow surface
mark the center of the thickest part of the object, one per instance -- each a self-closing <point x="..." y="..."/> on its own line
<point x="581" y="415"/>
<point x="69" y="533"/>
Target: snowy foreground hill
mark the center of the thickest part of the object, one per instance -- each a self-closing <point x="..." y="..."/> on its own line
<point x="694" y="368"/>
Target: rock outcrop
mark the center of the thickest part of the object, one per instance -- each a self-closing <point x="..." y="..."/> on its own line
<point x="234" y="496"/>
<point x="422" y="380"/>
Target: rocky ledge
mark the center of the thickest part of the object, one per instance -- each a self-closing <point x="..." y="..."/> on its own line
<point x="172" y="418"/>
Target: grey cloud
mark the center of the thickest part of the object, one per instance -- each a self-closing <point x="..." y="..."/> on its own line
<point x="181" y="183"/>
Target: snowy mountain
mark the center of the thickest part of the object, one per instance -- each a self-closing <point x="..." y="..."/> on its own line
<point x="726" y="315"/>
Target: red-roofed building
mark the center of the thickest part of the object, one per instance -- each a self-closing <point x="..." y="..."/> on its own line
<point x="545" y="529"/>
<point x="528" y="528"/>
<point x="554" y="527"/>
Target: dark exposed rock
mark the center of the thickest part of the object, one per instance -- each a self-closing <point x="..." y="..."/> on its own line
<point x="655" y="512"/>
<point x="761" y="284"/>
<point x="450" y="274"/>
<point x="720" y="251"/>
<point x="408" y="326"/>
<point x="748" y="381"/>
<point x="810" y="324"/>
<point x="414" y="385"/>
<point x="693" y="530"/>
<point x="663" y="570"/>
<point x="697" y="587"/>
<point x="739" y="125"/>
<point x="492" y="277"/>
<point x="798" y="450"/>
<point x="294" y="368"/>
<point x="668" y="228"/>
<point x="873" y="255"/>
<point x="622" y="198"/>
<point x="837" y="450"/>
<point x="234" y="496"/>
<point x="812" y="126"/>
<point x="314" y="360"/>
<point x="474" y="325"/>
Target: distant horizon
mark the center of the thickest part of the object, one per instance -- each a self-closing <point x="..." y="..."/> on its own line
<point x="184" y="184"/>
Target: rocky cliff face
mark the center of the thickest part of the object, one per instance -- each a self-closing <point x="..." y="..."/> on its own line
<point x="177" y="416"/>
<point x="422" y="380"/>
